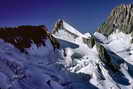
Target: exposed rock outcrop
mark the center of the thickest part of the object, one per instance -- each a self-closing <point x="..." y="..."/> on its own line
<point x="120" y="18"/>
<point x="106" y="58"/>
<point x="90" y="41"/>
<point x="24" y="36"/>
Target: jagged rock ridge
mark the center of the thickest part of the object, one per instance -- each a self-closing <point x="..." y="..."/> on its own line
<point x="120" y="18"/>
<point x="23" y="37"/>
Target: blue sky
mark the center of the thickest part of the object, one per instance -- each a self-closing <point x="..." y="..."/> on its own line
<point x="85" y="15"/>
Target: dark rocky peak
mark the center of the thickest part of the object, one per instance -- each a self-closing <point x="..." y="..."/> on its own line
<point x="120" y="18"/>
<point x="58" y="25"/>
<point x="24" y="36"/>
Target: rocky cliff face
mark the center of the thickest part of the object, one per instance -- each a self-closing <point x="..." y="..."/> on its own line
<point x="120" y="18"/>
<point x="23" y="37"/>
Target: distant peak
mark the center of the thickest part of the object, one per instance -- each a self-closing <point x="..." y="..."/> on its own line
<point x="125" y="5"/>
<point x="120" y="18"/>
<point x="60" y="20"/>
<point x="122" y="8"/>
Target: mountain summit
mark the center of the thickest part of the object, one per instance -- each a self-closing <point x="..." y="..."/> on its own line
<point x="120" y="18"/>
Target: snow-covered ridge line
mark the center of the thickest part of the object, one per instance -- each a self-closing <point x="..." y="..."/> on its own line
<point x="64" y="31"/>
<point x="61" y="24"/>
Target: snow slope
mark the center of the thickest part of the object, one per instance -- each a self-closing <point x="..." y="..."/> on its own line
<point x="118" y="74"/>
<point x="21" y="71"/>
<point x="41" y="68"/>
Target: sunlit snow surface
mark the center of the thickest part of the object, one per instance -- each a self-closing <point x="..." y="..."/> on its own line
<point x="73" y="66"/>
<point x="85" y="60"/>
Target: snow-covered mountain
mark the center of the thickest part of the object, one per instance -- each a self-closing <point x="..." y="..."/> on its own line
<point x="33" y="58"/>
<point x="106" y="55"/>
